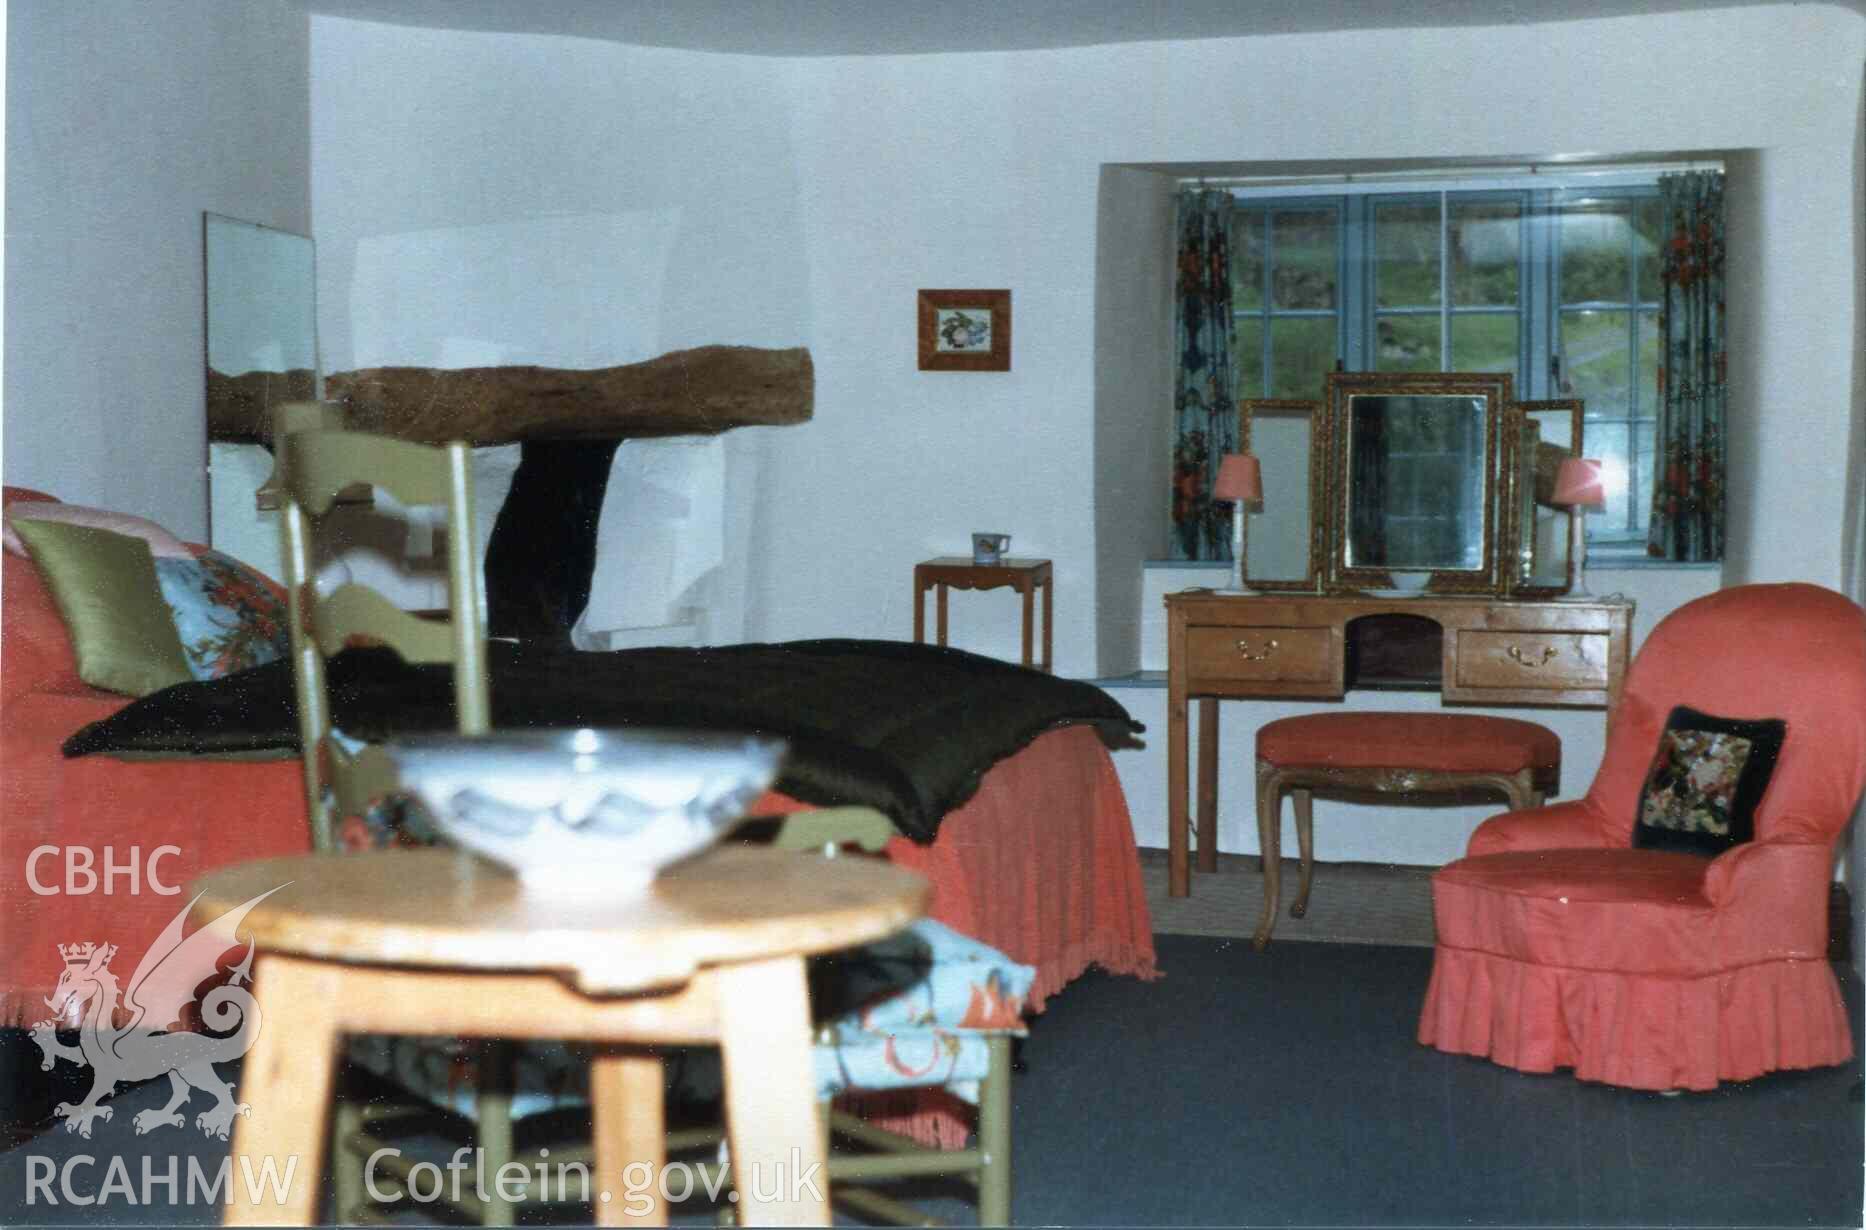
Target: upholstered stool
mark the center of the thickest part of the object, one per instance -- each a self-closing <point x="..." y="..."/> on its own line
<point x="1387" y="753"/>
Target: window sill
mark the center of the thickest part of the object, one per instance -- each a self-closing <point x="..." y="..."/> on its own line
<point x="1600" y="559"/>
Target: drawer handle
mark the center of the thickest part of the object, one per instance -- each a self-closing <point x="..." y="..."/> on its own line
<point x="1246" y="652"/>
<point x="1533" y="663"/>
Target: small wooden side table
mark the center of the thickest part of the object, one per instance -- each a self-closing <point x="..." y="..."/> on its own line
<point x="955" y="571"/>
<point x="437" y="942"/>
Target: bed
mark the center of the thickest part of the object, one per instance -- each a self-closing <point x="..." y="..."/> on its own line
<point x="1034" y="855"/>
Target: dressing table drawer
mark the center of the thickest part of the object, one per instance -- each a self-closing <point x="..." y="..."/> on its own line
<point x="1490" y="660"/>
<point x="1261" y="654"/>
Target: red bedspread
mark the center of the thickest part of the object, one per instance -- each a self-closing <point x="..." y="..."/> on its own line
<point x="1040" y="863"/>
<point x="105" y="813"/>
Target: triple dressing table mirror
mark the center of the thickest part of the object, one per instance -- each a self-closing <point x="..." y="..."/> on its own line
<point x="1429" y="507"/>
<point x="1416" y="481"/>
<point x="1540" y="536"/>
<point x="1284" y="543"/>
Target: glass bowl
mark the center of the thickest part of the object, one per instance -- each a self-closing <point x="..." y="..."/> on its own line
<point x="586" y="810"/>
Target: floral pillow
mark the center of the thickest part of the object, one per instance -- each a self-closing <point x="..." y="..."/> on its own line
<point x="228" y="615"/>
<point x="1706" y="781"/>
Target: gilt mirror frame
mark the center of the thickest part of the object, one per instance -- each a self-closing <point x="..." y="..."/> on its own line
<point x="1495" y="392"/>
<point x="1248" y="410"/>
<point x="1531" y="483"/>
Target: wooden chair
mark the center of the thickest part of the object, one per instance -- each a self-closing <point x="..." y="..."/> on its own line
<point x="873" y="1153"/>
<point x="316" y="463"/>
<point x="861" y="1152"/>
<point x="342" y="780"/>
<point x="1393" y="754"/>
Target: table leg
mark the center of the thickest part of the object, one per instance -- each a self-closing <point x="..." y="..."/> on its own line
<point x="779" y="1165"/>
<point x="630" y="1137"/>
<point x="277" y="1161"/>
<point x="1178" y="872"/>
<point x="939" y="592"/>
<point x="1049" y="602"/>
<point x="1208" y="783"/>
<point x="1029" y="596"/>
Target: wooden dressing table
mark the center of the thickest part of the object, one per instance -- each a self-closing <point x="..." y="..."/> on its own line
<point x="1496" y="651"/>
<point x="1441" y="479"/>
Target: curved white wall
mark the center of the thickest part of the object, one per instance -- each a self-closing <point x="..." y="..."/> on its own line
<point x="817" y="195"/>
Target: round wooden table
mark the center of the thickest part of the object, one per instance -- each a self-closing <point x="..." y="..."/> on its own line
<point x="439" y="942"/>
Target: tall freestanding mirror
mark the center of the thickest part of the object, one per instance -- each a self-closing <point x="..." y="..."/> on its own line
<point x="261" y="352"/>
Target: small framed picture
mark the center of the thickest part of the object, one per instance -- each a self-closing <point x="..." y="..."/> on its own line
<point x="965" y="330"/>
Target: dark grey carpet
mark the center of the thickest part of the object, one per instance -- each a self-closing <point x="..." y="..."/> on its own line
<point x="1284" y="1089"/>
<point x="1351" y="903"/>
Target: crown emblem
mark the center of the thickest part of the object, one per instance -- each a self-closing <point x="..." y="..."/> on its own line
<point x="81" y="954"/>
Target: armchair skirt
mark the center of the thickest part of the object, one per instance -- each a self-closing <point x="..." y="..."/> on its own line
<point x="1616" y="964"/>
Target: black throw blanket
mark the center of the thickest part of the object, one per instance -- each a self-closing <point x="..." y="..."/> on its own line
<point x="909" y="729"/>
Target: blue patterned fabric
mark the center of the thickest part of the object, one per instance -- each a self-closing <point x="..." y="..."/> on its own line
<point x="915" y="1010"/>
<point x="228" y="616"/>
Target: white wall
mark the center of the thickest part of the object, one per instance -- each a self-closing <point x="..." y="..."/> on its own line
<point x="126" y="119"/>
<point x="1132" y="456"/>
<point x="816" y="196"/>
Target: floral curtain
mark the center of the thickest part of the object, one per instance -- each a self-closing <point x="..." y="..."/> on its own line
<point x="1688" y="491"/>
<point x="1204" y="412"/>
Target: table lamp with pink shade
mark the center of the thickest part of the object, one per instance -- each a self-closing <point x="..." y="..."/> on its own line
<point x="1240" y="480"/>
<point x="1578" y="484"/>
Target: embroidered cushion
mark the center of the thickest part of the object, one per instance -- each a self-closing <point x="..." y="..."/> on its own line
<point x="1708" y="776"/>
<point x="229" y="617"/>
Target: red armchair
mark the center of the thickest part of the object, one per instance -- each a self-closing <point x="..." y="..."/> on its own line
<point x="1562" y="946"/>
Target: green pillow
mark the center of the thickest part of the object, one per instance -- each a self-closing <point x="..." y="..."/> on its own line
<point x="106" y="590"/>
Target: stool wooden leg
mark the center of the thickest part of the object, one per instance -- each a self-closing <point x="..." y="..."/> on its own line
<point x="939" y="606"/>
<point x="626" y="1093"/>
<point x="1270" y="841"/>
<point x="286" y="1081"/>
<point x="778" y="1164"/>
<point x="1305" y="842"/>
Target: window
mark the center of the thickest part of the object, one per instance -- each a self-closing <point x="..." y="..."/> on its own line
<point x="1558" y="286"/>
